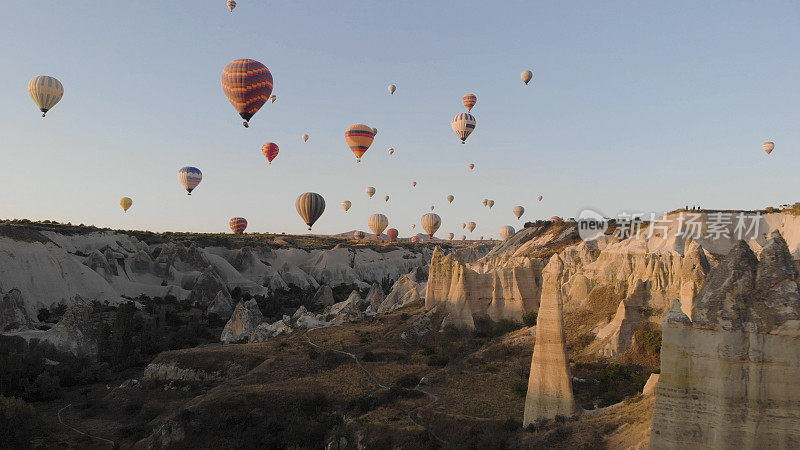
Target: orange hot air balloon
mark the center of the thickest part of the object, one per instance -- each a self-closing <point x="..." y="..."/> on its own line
<point x="359" y="138"/>
<point x="469" y="101"/>
<point x="768" y="147"/>
<point x="392" y="233"/>
<point x="471" y="166"/>
<point x="270" y="150"/>
<point x="248" y="85"/>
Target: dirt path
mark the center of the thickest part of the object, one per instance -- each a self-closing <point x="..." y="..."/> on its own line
<point x="374" y="379"/>
<point x="61" y="421"/>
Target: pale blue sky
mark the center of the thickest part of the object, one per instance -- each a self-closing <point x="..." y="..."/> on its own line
<point x="633" y="106"/>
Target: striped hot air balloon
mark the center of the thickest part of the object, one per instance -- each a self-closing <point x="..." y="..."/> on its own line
<point x="231" y="4"/>
<point x="768" y="147"/>
<point x="471" y="226"/>
<point x="125" y="203"/>
<point x="270" y="150"/>
<point x="377" y="223"/>
<point x="391" y="151"/>
<point x="526" y="76"/>
<point x="346" y="205"/>
<point x="450" y="236"/>
<point x="359" y="137"/>
<point x="248" y="85"/>
<point x="46" y="92"/>
<point x="469" y="101"/>
<point x="190" y="177"/>
<point x="463" y="124"/>
<point x="431" y="222"/>
<point x="392" y="233"/>
<point x="359" y="235"/>
<point x="506" y="232"/>
<point x="310" y="206"/>
<point x="238" y="224"/>
<point x="519" y="211"/>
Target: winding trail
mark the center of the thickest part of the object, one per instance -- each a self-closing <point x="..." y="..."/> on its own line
<point x="61" y="421"/>
<point x="374" y="379"/>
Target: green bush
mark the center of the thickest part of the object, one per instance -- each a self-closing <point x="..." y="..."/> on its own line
<point x="649" y="340"/>
<point x="17" y="423"/>
<point x="530" y="317"/>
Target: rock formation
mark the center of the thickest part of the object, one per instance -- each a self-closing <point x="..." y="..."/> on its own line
<point x="729" y="374"/>
<point x="13" y="315"/>
<point x="246" y="317"/>
<point x="322" y="298"/>
<point x="550" y="383"/>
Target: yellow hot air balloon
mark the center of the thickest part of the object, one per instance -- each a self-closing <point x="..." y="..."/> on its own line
<point x="46" y="92"/>
<point x="450" y="198"/>
<point x="490" y="203"/>
<point x="370" y="191"/>
<point x="126" y="203"/>
<point x="359" y="137"/>
<point x="431" y="222"/>
<point x="346" y="205"/>
<point x="377" y="223"/>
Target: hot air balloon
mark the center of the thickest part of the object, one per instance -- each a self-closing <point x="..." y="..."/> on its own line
<point x="463" y="124"/>
<point x="450" y="199"/>
<point x="463" y="238"/>
<point x="392" y="234"/>
<point x="305" y="138"/>
<point x="359" y="235"/>
<point x="431" y="207"/>
<point x="386" y="198"/>
<point x="463" y="225"/>
<point x="415" y="239"/>
<point x="768" y="147"/>
<point x="490" y="203"/>
<point x="272" y="98"/>
<point x="377" y="223"/>
<point x="391" y="151"/>
<point x="413" y="184"/>
<point x="359" y="138"/>
<point x="231" y="4"/>
<point x="413" y="225"/>
<point x="190" y="177"/>
<point x="346" y="205"/>
<point x="392" y="88"/>
<point x="370" y="191"/>
<point x="526" y="76"/>
<point x="481" y="237"/>
<point x="556" y="219"/>
<point x="519" y="211"/>
<point x="431" y="222"/>
<point x="126" y="203"/>
<point x="540" y="198"/>
<point x="310" y="206"/>
<point x="469" y="101"/>
<point x="471" y="226"/>
<point x="506" y="232"/>
<point x="485" y="201"/>
<point x="238" y="224"/>
<point x="450" y="236"/>
<point x="45" y="92"/>
<point x="471" y="166"/>
<point x="270" y="150"/>
<point x="248" y="85"/>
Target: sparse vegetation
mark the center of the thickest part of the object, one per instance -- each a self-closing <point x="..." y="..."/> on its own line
<point x="530" y="317"/>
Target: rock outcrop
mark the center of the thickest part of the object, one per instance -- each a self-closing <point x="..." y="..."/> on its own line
<point x="13" y="315"/>
<point x="246" y="317"/>
<point x="550" y="384"/>
<point x="75" y="332"/>
<point x="322" y="298"/>
<point x="730" y="374"/>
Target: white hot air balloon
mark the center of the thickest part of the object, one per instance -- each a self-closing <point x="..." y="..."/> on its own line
<point x="391" y="89"/>
<point x="45" y="91"/>
<point x="377" y="223"/>
<point x="519" y="211"/>
<point x="506" y="232"/>
<point x="370" y="191"/>
<point x="526" y="76"/>
<point x="463" y="125"/>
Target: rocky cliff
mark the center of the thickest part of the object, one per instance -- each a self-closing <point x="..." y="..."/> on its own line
<point x="729" y="373"/>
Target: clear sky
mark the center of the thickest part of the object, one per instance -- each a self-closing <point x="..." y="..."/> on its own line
<point x="633" y="106"/>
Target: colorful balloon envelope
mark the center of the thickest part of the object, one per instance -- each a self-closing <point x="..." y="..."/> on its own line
<point x="392" y="234"/>
<point x="125" y="203"/>
<point x="450" y="199"/>
<point x="231" y="4"/>
<point x="463" y="124"/>
<point x="359" y="137"/>
<point x="471" y="226"/>
<point x="485" y="201"/>
<point x="386" y="198"/>
<point x="431" y="222"/>
<point x="190" y="177"/>
<point x="519" y="211"/>
<point x="346" y="205"/>
<point x="506" y="232"/>
<point x="305" y="138"/>
<point x="471" y="166"/>
<point x="413" y="184"/>
<point x="768" y="147"/>
<point x="391" y="89"/>
<point x="540" y="198"/>
<point x="238" y="224"/>
<point x="490" y="203"/>
<point x="450" y="236"/>
<point x="248" y="85"/>
<point x="46" y="92"/>
<point x="310" y="206"/>
<point x="469" y="101"/>
<point x="391" y="151"/>
<point x="526" y="76"/>
<point x="272" y="98"/>
<point x="370" y="191"/>
<point x="377" y="223"/>
<point x="270" y="150"/>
